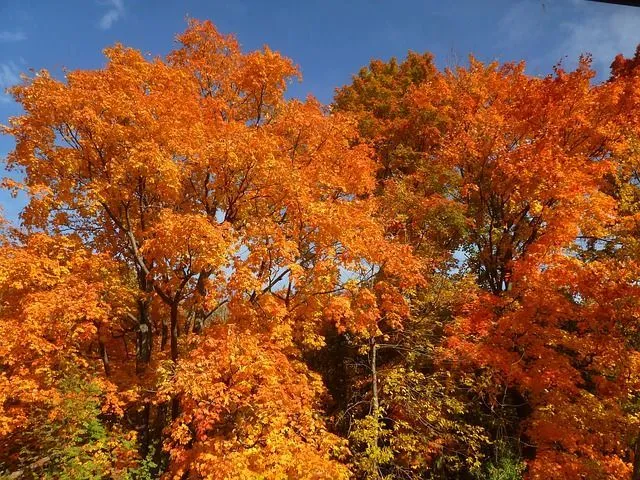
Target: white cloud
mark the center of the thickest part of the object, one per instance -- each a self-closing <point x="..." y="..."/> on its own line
<point x="9" y="76"/>
<point x="603" y="34"/>
<point x="8" y="36"/>
<point x="115" y="11"/>
<point x="521" y="21"/>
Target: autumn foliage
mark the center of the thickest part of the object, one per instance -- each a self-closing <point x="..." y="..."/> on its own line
<point x="434" y="277"/>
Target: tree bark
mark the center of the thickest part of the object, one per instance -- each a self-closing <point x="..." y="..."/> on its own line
<point x="375" y="402"/>
<point x="105" y="357"/>
<point x="164" y="334"/>
<point x="374" y="376"/>
<point x="144" y="337"/>
<point x="145" y="437"/>
<point x="636" y="460"/>
<point x="174" y="331"/>
<point x="175" y="402"/>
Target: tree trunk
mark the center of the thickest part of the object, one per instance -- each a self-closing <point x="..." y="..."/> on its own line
<point x="164" y="335"/>
<point x="198" y="321"/>
<point x="145" y="436"/>
<point x="175" y="402"/>
<point x="105" y="357"/>
<point x="374" y="376"/>
<point x="160" y="422"/>
<point x="636" y="460"/>
<point x="144" y="337"/>
<point x="375" y="402"/>
<point x="175" y="407"/>
<point x="174" y="331"/>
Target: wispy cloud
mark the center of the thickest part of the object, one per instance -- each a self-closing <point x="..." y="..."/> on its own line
<point x="9" y="36"/>
<point x="552" y="32"/>
<point x="521" y="21"/>
<point x="115" y="11"/>
<point x="603" y="34"/>
<point x="9" y="76"/>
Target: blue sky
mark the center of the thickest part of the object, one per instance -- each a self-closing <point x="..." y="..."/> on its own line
<point x="330" y="39"/>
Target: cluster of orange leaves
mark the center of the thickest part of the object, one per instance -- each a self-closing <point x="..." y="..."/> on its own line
<point x="207" y="188"/>
<point x="191" y="181"/>
<point x="59" y="301"/>
<point x="520" y="173"/>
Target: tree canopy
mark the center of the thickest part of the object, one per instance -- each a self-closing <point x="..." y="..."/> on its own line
<point x="434" y="277"/>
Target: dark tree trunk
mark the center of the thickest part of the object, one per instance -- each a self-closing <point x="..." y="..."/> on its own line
<point x="164" y="335"/>
<point x="159" y="423"/>
<point x="636" y="460"/>
<point x="145" y="431"/>
<point x="198" y="321"/>
<point x="174" y="331"/>
<point x="144" y="337"/>
<point x="105" y="358"/>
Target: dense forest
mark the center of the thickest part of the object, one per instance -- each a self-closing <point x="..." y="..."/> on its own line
<point x="437" y="276"/>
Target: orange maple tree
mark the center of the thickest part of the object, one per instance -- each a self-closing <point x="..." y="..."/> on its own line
<point x="515" y="171"/>
<point x="213" y="190"/>
<point x="62" y="310"/>
<point x="215" y="281"/>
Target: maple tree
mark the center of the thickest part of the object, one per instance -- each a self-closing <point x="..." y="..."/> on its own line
<point x="550" y="322"/>
<point x="62" y="308"/>
<point x="197" y="175"/>
<point x="522" y="166"/>
<point x="435" y="277"/>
